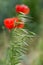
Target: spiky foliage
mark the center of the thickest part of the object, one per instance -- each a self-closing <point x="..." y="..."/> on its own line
<point x="18" y="45"/>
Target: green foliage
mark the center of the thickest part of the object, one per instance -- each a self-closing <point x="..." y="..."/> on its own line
<point x="18" y="45"/>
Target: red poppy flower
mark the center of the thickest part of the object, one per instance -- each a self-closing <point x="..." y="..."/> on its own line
<point x="21" y="25"/>
<point x="10" y="22"/>
<point x="22" y="8"/>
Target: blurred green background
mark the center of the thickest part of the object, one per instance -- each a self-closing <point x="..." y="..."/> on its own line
<point x="7" y="9"/>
